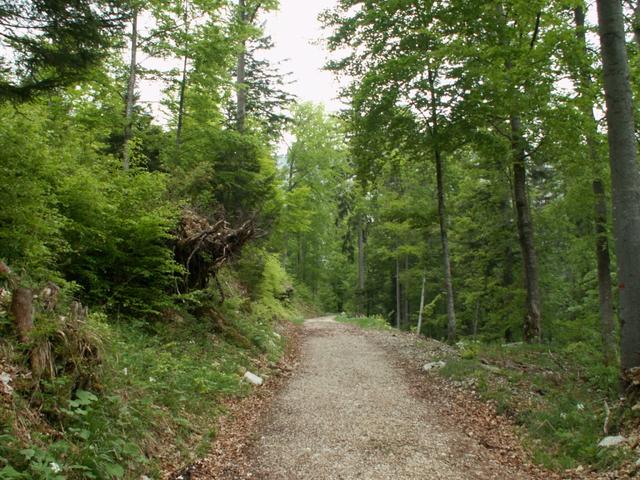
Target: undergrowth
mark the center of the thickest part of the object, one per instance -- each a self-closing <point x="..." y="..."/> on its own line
<point x="559" y="395"/>
<point x="159" y="390"/>
<point x="373" y="322"/>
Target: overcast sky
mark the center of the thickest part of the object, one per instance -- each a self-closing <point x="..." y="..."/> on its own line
<point x="296" y="33"/>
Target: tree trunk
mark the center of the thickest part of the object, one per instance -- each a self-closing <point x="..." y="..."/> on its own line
<point x="183" y="82"/>
<point x="442" y="213"/>
<point x="424" y="280"/>
<point x="476" y="318"/>
<point x="131" y="90"/>
<point x="241" y="87"/>
<point x="405" y="295"/>
<point x="301" y="259"/>
<point x="602" y="242"/>
<point x="625" y="176"/>
<point x="22" y="312"/>
<point x="636" y="23"/>
<point x="533" y="320"/>
<point x="361" y="269"/>
<point x="604" y="274"/>
<point x="444" y="240"/>
<point x="397" y="293"/>
<point x="507" y="215"/>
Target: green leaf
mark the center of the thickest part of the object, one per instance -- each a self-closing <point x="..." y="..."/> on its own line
<point x="28" y="453"/>
<point x="85" y="398"/>
<point x="9" y="473"/>
<point x="114" y="470"/>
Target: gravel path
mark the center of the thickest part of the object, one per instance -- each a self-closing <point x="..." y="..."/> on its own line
<point x="349" y="413"/>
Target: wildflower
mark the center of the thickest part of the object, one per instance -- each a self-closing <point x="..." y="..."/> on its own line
<point x="55" y="468"/>
<point x="580" y="406"/>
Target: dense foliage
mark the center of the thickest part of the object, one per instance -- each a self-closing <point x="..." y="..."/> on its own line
<point x="168" y="249"/>
<point x="463" y="192"/>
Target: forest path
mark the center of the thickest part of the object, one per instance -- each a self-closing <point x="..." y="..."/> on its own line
<point x="349" y="412"/>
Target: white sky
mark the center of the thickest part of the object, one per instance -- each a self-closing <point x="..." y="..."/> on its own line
<point x="297" y="33"/>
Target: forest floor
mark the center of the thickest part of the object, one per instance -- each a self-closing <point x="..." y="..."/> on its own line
<point x="356" y="404"/>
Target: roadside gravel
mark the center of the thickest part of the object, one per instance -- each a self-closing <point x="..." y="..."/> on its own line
<point x="350" y="411"/>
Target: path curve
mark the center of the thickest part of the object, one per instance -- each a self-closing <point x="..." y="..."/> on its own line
<point x="349" y="413"/>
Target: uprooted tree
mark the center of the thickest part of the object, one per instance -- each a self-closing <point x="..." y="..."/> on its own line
<point x="203" y="246"/>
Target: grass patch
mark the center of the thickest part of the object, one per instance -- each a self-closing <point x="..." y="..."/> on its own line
<point x="557" y="394"/>
<point x="374" y="322"/>
<point x="159" y="395"/>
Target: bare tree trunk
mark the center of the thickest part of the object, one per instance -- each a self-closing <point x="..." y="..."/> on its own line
<point x="533" y="317"/>
<point x="442" y="213"/>
<point x="22" y="312"/>
<point x="604" y="274"/>
<point x="183" y="82"/>
<point x="507" y="214"/>
<point x="361" y="268"/>
<point x="424" y="280"/>
<point x="241" y="87"/>
<point x="625" y="176"/>
<point x="448" y="281"/>
<point x="476" y="318"/>
<point x="131" y="90"/>
<point x="533" y="320"/>
<point x="397" y="293"/>
<point x="405" y="296"/>
<point x="602" y="242"/>
<point x="636" y="23"/>
<point x="301" y="258"/>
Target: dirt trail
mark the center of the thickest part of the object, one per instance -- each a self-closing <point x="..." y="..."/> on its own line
<point x="349" y="412"/>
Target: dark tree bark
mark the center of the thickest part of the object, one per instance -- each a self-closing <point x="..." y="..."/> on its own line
<point x="625" y="176"/>
<point x="131" y="88"/>
<point x="442" y="212"/>
<point x="585" y="82"/>
<point x="604" y="274"/>
<point x="444" y="240"/>
<point x="533" y="319"/>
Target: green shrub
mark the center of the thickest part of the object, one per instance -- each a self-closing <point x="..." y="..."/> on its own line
<point x="375" y="322"/>
<point x="30" y="235"/>
<point x="118" y="228"/>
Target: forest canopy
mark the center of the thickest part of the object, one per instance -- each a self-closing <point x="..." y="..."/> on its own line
<point x="481" y="182"/>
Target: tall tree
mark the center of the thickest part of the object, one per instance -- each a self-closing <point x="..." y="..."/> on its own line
<point x="183" y="81"/>
<point x="625" y="176"/>
<point x="584" y="83"/>
<point x="49" y="44"/>
<point x="401" y="85"/>
<point x="131" y="88"/>
<point x="244" y="19"/>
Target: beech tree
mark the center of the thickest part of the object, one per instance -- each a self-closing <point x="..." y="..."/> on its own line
<point x="625" y="177"/>
<point x="402" y="83"/>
